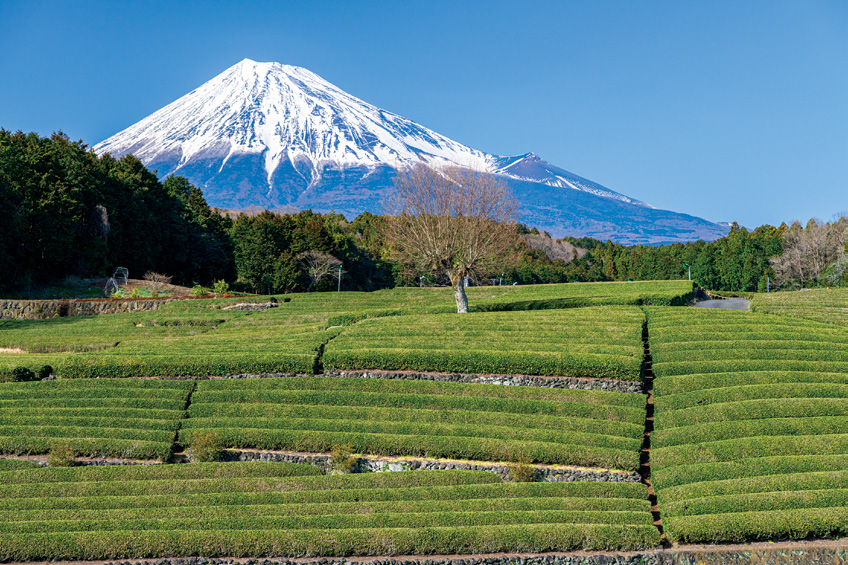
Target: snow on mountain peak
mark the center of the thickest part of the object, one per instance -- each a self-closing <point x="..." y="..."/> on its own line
<point x="283" y="112"/>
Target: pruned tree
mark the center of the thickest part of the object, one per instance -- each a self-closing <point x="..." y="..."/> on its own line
<point x="451" y="221"/>
<point x="157" y="281"/>
<point x="317" y="265"/>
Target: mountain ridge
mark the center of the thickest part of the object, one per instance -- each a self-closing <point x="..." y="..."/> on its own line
<point x="273" y="135"/>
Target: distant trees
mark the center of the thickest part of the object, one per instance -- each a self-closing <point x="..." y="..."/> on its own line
<point x="68" y="211"/>
<point x="809" y="251"/>
<point x="451" y="221"/>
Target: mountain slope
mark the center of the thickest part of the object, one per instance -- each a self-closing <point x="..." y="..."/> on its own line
<point x="272" y="135"/>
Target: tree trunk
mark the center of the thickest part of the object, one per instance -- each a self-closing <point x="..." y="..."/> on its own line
<point x="458" y="282"/>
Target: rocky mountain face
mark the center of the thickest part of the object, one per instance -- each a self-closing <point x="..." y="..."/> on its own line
<point x="272" y="135"/>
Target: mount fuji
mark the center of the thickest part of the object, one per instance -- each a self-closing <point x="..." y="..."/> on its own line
<point x="272" y="136"/>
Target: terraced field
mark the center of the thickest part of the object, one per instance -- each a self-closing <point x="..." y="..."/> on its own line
<point x="580" y="342"/>
<point x="131" y="419"/>
<point x="423" y="418"/>
<point x="249" y="509"/>
<point x="751" y="425"/>
<point x="196" y="338"/>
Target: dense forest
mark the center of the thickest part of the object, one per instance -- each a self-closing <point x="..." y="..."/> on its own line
<point x="69" y="212"/>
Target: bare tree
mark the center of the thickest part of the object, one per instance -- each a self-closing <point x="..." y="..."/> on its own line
<point x="451" y="221"/>
<point x="808" y="251"/>
<point x="317" y="266"/>
<point x="157" y="281"/>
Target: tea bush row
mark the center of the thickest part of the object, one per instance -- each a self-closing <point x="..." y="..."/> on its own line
<point x="302" y="543"/>
<point x="481" y="448"/>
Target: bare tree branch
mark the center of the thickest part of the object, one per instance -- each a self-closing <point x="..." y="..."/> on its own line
<point x="451" y="221"/>
<point x="317" y="266"/>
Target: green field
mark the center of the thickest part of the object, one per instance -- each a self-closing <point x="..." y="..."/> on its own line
<point x="751" y="425"/>
<point x="258" y="509"/>
<point x="422" y="418"/>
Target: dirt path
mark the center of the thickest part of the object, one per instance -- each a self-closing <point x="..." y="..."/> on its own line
<point x="728" y="304"/>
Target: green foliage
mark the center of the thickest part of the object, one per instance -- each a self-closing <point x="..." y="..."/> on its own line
<point x="522" y="472"/>
<point x="207" y="447"/>
<point x="342" y="460"/>
<point x="220" y="287"/>
<point x="22" y="374"/>
<point x="199" y="290"/>
<point x="61" y="455"/>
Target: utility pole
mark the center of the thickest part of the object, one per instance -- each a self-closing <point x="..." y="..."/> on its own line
<point x="340" y="279"/>
<point x="690" y="270"/>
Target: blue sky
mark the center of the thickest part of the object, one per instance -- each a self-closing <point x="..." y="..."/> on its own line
<point x="733" y="110"/>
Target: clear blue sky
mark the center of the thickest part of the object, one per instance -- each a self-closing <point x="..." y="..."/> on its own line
<point x="731" y="110"/>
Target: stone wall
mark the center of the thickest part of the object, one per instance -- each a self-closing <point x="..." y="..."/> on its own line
<point x="42" y="309"/>
<point x="783" y="554"/>
<point x="379" y="465"/>
<point x="512" y="380"/>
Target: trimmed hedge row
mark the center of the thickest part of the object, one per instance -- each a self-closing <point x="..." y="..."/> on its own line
<point x="741" y="448"/>
<point x="746" y="468"/>
<point x="702" y="381"/>
<point x="303" y="543"/>
<point x="744" y="526"/>
<point x="272" y="416"/>
<point x="505" y="504"/>
<point x="717" y="431"/>
<point x="752" y="410"/>
<point x="815" y="480"/>
<point x="259" y="426"/>
<point x="400" y="386"/>
<point x="161" y="472"/>
<point x="334" y="521"/>
<point x="123" y="366"/>
<point x="482" y="449"/>
<point x="751" y="392"/>
<point x="470" y="487"/>
<point x="758" y="502"/>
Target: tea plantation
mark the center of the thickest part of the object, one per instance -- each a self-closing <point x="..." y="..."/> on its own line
<point x="749" y="441"/>
<point x="751" y="437"/>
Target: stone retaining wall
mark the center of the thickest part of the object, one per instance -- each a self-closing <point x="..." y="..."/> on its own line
<point x="785" y="554"/>
<point x="378" y="465"/>
<point x="41" y="309"/>
<point x="511" y="380"/>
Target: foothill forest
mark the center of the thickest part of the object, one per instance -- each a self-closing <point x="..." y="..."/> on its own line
<point x="586" y="407"/>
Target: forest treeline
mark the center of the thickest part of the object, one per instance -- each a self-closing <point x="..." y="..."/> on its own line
<point x="69" y="212"/>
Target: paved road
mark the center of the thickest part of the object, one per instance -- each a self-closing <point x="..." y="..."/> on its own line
<point x="729" y="304"/>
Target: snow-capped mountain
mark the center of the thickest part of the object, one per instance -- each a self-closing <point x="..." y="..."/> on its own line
<point x="272" y="135"/>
